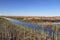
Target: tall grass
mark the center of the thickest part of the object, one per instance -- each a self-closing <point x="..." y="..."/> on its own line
<point x="12" y="31"/>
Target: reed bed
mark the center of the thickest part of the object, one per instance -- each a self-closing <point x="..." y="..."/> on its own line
<point x="12" y="31"/>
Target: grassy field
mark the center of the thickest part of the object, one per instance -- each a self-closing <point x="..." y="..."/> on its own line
<point x="12" y="31"/>
<point x="41" y="21"/>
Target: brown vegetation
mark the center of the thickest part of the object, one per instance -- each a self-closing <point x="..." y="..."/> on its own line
<point x="11" y="31"/>
<point x="43" y="18"/>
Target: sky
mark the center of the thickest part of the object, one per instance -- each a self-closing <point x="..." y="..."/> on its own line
<point x="30" y="7"/>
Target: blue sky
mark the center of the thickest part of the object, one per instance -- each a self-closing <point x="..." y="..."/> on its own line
<point x="30" y="7"/>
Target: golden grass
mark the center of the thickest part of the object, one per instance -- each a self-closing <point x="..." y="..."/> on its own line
<point x="11" y="31"/>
